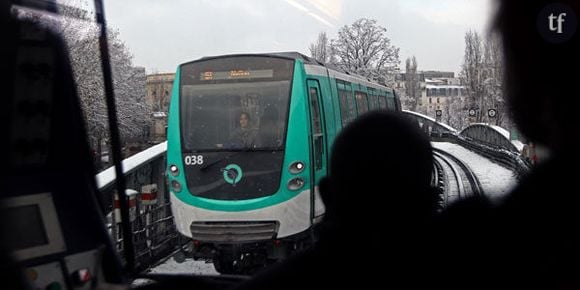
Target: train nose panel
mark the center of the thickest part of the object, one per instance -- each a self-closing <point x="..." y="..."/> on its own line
<point x="234" y="232"/>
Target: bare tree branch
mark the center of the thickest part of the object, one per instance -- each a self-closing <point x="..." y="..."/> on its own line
<point x="364" y="49"/>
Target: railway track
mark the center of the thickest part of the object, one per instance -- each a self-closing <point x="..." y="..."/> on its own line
<point x="455" y="179"/>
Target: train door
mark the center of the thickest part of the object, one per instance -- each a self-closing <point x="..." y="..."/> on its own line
<point x="317" y="145"/>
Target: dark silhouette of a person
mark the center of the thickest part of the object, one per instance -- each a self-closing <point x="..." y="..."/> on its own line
<point x="379" y="203"/>
<point x="530" y="238"/>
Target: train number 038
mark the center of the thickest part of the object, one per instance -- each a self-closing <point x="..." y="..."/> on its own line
<point x="193" y="160"/>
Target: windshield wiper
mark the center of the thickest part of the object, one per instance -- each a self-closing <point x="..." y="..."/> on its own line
<point x="208" y="165"/>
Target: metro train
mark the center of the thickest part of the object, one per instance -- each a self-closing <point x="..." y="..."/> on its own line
<point x="248" y="142"/>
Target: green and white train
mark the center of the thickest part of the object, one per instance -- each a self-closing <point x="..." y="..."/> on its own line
<point x="248" y="202"/>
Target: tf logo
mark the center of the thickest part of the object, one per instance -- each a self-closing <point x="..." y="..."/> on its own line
<point x="557" y="23"/>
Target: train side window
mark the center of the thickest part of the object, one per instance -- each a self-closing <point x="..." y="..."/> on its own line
<point x="382" y="102"/>
<point x="342" y="102"/>
<point x="347" y="107"/>
<point x="391" y="103"/>
<point x="343" y="106"/>
<point x="362" y="102"/>
<point x="371" y="102"/>
<point x="351" y="103"/>
<point x="376" y="101"/>
<point x="315" y="111"/>
<point x="373" y="99"/>
<point x="316" y="128"/>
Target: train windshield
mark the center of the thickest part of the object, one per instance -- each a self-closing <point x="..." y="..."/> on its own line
<point x="236" y="103"/>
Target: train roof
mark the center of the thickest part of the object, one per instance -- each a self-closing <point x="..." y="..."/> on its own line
<point x="337" y="71"/>
<point x="284" y="54"/>
<point x="294" y="55"/>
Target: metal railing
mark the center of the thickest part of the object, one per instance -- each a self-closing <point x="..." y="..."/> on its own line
<point x="153" y="229"/>
<point x="509" y="159"/>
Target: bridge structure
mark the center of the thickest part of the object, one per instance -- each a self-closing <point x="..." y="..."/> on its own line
<point x="490" y="141"/>
<point x="153" y="229"/>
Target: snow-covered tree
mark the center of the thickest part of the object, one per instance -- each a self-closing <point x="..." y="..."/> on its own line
<point x="455" y="112"/>
<point x="472" y="70"/>
<point x="320" y="49"/>
<point x="81" y="37"/>
<point x="364" y="49"/>
<point x="412" y="86"/>
<point x="482" y="74"/>
<point x="493" y="83"/>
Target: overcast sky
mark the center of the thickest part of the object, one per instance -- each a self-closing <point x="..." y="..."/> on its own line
<point x="161" y="34"/>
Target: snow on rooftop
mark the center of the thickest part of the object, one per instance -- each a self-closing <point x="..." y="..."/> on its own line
<point x="496" y="180"/>
<point x="444" y="87"/>
<point x="107" y="176"/>
<point x="431" y="119"/>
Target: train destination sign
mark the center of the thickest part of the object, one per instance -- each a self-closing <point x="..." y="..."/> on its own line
<point x="236" y="74"/>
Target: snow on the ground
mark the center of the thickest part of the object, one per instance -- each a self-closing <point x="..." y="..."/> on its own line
<point x="189" y="266"/>
<point x="495" y="179"/>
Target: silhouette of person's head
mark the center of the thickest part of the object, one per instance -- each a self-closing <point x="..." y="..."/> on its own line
<point x="380" y="172"/>
<point x="541" y="83"/>
<point x="4" y="11"/>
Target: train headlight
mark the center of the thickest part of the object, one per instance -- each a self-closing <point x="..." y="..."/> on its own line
<point x="175" y="186"/>
<point x="295" y="183"/>
<point x="296" y="167"/>
<point x="174" y="170"/>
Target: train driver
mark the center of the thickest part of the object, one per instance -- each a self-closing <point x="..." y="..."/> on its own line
<point x="244" y="136"/>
